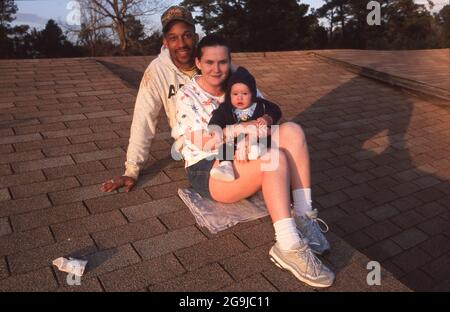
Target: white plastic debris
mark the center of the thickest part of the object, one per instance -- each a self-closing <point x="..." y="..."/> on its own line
<point x="71" y="265"/>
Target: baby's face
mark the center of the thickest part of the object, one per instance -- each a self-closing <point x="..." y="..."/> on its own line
<point x="241" y="97"/>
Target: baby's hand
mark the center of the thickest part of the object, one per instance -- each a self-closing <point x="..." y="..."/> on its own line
<point x="265" y="120"/>
<point x="261" y="122"/>
<point x="248" y="127"/>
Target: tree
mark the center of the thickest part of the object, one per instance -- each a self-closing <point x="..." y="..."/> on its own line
<point x="409" y="26"/>
<point x="337" y="13"/>
<point x="443" y="21"/>
<point x="51" y="42"/>
<point x="282" y="32"/>
<point x="20" y="42"/>
<point x="405" y="25"/>
<point x="312" y="35"/>
<point x="347" y="20"/>
<point x="210" y="13"/>
<point x="151" y="45"/>
<point x="92" y="34"/>
<point x="254" y="25"/>
<point x="227" y="18"/>
<point x="356" y="32"/>
<point x="118" y="12"/>
<point x="8" y="10"/>
<point x="22" y="45"/>
<point x="135" y="34"/>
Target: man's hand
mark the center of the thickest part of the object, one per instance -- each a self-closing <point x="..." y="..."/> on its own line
<point x="118" y="182"/>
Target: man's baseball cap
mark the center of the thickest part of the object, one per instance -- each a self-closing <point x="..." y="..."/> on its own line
<point x="176" y="13"/>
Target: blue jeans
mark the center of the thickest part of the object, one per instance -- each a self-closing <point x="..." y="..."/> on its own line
<point x="198" y="176"/>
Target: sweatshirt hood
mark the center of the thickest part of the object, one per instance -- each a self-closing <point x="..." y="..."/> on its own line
<point x="164" y="57"/>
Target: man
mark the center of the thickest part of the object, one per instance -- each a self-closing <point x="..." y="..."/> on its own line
<point x="173" y="68"/>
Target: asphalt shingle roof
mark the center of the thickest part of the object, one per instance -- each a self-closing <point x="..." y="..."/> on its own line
<point x="380" y="171"/>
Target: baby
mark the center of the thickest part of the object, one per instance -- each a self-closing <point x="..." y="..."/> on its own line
<point x="242" y="106"/>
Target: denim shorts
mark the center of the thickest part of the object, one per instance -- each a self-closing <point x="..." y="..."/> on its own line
<point x="198" y="176"/>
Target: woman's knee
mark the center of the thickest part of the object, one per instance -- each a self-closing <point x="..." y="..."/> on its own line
<point x="275" y="159"/>
<point x="291" y="128"/>
<point x="291" y="131"/>
<point x="248" y="181"/>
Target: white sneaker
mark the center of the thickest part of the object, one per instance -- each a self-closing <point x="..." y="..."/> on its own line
<point x="302" y="262"/>
<point x="224" y="172"/>
<point x="310" y="229"/>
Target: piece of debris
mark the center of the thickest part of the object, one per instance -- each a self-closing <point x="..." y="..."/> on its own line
<point x="71" y="265"/>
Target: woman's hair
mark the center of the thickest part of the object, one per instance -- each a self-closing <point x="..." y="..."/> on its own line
<point x="211" y="41"/>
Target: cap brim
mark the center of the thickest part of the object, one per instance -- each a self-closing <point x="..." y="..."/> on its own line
<point x="169" y="24"/>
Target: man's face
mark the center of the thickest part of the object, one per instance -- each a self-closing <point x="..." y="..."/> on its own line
<point x="181" y="41"/>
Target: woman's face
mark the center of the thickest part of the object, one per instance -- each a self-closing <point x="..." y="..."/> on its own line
<point x="215" y="65"/>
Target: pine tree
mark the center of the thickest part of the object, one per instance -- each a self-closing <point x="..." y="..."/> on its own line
<point x="443" y="20"/>
<point x="255" y="25"/>
<point x="8" y="10"/>
<point x="409" y="26"/>
<point x="51" y="42"/>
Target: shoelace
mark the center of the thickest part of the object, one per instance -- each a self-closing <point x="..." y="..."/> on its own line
<point x="306" y="253"/>
<point x="312" y="215"/>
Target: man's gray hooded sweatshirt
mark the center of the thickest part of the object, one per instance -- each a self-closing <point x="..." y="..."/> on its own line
<point x="158" y="87"/>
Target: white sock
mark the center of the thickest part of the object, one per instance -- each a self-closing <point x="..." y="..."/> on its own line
<point x="302" y="201"/>
<point x="286" y="233"/>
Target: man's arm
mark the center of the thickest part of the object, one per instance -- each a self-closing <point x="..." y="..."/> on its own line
<point x="143" y="128"/>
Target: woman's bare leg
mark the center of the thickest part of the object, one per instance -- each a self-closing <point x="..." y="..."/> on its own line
<point x="250" y="179"/>
<point x="290" y="138"/>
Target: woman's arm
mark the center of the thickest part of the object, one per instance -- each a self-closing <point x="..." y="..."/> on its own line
<point x="206" y="140"/>
<point x="190" y="125"/>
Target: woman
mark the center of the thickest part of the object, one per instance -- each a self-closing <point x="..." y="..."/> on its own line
<point x="195" y="103"/>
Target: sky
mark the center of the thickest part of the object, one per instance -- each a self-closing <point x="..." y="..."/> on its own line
<point x="36" y="12"/>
